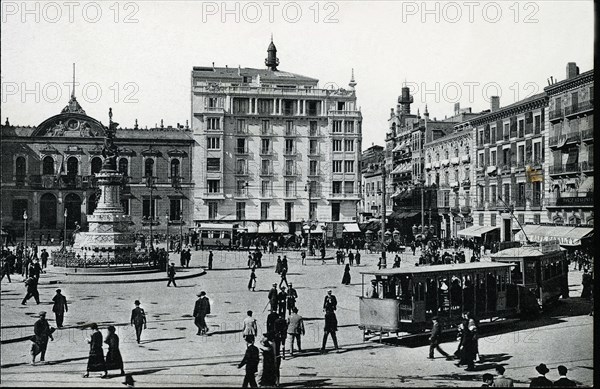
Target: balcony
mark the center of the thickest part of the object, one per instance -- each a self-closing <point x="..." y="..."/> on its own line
<point x="465" y="159"/>
<point x="571" y="168"/>
<point x="267" y="131"/>
<point x="241" y="194"/>
<point x="581" y="107"/>
<point x="587" y="135"/>
<point x="266" y="172"/>
<point x="343" y="196"/>
<point x="176" y="181"/>
<point x="338" y="113"/>
<point x="266" y="152"/>
<point x="241" y="151"/>
<point x="536" y="203"/>
<point x="455" y="160"/>
<point x="290" y="132"/>
<point x="520" y="204"/>
<point x="572" y="199"/>
<point x="289" y="152"/>
<point x="506" y="169"/>
<point x="214" y="195"/>
<point x="574" y="137"/>
<point x="313" y="173"/>
<point x="20" y="180"/>
<point x="241" y="171"/>
<point x="455" y="185"/>
<point x="480" y="206"/>
<point x="214" y="109"/>
<point x="466" y="184"/>
<point x="428" y="166"/>
<point x="290" y="171"/>
<point x="556" y="114"/>
<point x="455" y="209"/>
<point x="587" y="167"/>
<point x="266" y="194"/>
<point x="147" y="220"/>
<point x="43" y="181"/>
<point x="290" y="195"/>
<point x="71" y="182"/>
<point x="242" y="131"/>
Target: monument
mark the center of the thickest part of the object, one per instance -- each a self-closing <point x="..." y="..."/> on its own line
<point x="108" y="240"/>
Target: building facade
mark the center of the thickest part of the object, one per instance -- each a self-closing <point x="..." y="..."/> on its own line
<point x="273" y="150"/>
<point x="372" y="162"/>
<point x="48" y="172"/>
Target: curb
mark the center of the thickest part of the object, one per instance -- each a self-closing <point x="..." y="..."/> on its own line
<point x="159" y="279"/>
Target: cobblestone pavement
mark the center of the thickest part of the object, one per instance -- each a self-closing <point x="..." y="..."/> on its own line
<point x="172" y="355"/>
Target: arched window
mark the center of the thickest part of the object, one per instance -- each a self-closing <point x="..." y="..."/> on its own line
<point x="175" y="168"/>
<point x="72" y="166"/>
<point x="48" y="206"/>
<point x="20" y="167"/>
<point x="149" y="167"/>
<point x="96" y="165"/>
<point x="48" y="165"/>
<point x="123" y="166"/>
<point x="92" y="203"/>
<point x="73" y="207"/>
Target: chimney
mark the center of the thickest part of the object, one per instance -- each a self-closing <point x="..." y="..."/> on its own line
<point x="456" y="108"/>
<point x="495" y="103"/>
<point x="572" y="70"/>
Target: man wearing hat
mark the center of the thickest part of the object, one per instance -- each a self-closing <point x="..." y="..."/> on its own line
<point x="250" y="360"/>
<point x="541" y="381"/>
<point x="563" y="381"/>
<point x="138" y="319"/>
<point x="291" y="299"/>
<point x="330" y="302"/>
<point x="273" y="297"/>
<point x="44" y="255"/>
<point x="32" y="290"/>
<point x="434" y="338"/>
<point x="59" y="308"/>
<point x="201" y="309"/>
<point x="281" y="302"/>
<point x="171" y="274"/>
<point x="42" y="332"/>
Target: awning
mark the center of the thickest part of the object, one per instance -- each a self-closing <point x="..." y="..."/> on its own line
<point x="214" y="226"/>
<point x="281" y="227"/>
<point x="318" y="229"/>
<point x="351" y="227"/>
<point x="397" y="193"/>
<point x="250" y="227"/>
<point x="265" y="228"/>
<point x="397" y="148"/>
<point x="397" y="170"/>
<point x="566" y="235"/>
<point x="476" y="231"/>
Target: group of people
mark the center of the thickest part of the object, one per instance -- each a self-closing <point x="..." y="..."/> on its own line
<point x="467" y="351"/>
<point x="340" y="257"/>
<point x="22" y="261"/>
<point x="501" y="381"/>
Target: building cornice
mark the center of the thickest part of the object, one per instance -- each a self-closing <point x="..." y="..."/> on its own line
<point x="571" y="83"/>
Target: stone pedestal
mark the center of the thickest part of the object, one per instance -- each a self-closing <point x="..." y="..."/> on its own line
<point x="108" y="240"/>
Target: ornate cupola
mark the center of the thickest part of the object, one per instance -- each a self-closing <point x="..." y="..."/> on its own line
<point x="272" y="61"/>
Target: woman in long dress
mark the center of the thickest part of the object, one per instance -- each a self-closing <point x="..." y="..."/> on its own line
<point x="346" y="278"/>
<point x="96" y="358"/>
<point x="269" y="368"/>
<point x="114" y="361"/>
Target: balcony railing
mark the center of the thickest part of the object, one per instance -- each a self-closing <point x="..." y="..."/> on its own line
<point x="266" y="172"/>
<point x="241" y="150"/>
<point x="587" y="135"/>
<point x="266" y="194"/>
<point x="565" y="169"/>
<point x="266" y="152"/>
<point x="587" y="166"/>
<point x="215" y="195"/>
<point x="455" y="209"/>
<point x="520" y="204"/>
<point x="578" y="108"/>
<point x="241" y="171"/>
<point x="574" y="199"/>
<point x="344" y="113"/>
<point x="290" y="195"/>
<point x="466" y="184"/>
<point x="71" y="182"/>
<point x="465" y="209"/>
<point x="289" y="152"/>
<point x="267" y="131"/>
<point x="480" y="206"/>
<point x="574" y="137"/>
<point x="241" y="130"/>
<point x="313" y="173"/>
<point x="290" y="132"/>
<point x="214" y="109"/>
<point x="313" y="152"/>
<point x="556" y="114"/>
<point x="290" y="171"/>
<point x="343" y="195"/>
<point x="176" y="181"/>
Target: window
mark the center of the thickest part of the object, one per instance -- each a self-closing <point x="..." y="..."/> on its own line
<point x="537" y="152"/>
<point x="480" y="160"/>
<point x="337" y="145"/>
<point x="175" y="168"/>
<point x="313" y="147"/>
<point x="337" y="187"/>
<point x="240" y="147"/>
<point x="349" y="145"/>
<point x="240" y="211"/>
<point x="349" y="187"/>
<point x="313" y="168"/>
<point x="312" y="108"/>
<point x="349" y="127"/>
<point x="481" y="219"/>
<point x="289" y="146"/>
<point x="493" y="158"/>
<point x="213" y="164"/>
<point x="335" y="212"/>
<point x="125" y="206"/>
<point x="493" y="195"/>
<point x="289" y="211"/>
<point x="521" y="155"/>
<point x="312" y="211"/>
<point x="213" y="210"/>
<point x="19" y="206"/>
<point x="241" y="188"/>
<point x="288" y="107"/>
<point x="265" y="146"/>
<point x="349" y="166"/>
<point x="341" y="106"/>
<point x="537" y="127"/>
<point x="536" y="218"/>
<point x="506" y="131"/>
<point x="149" y="208"/>
<point x="265" y="106"/>
<point x="493" y="219"/>
<point x="212" y="102"/>
<point x="264" y="210"/>
<point x="266" y="127"/>
<point x="506" y="156"/>
<point x="240" y="125"/>
<point x="240" y="105"/>
<point x="124" y="166"/>
<point x="213" y="143"/>
<point x="214" y="186"/>
<point x="72" y="166"/>
<point x="337" y="166"/>
<point x="313" y="128"/>
<point x="240" y="166"/>
<point x="265" y="166"/>
<point x="289" y="127"/>
<point x="149" y="167"/>
<point x="175" y="209"/>
<point x="492" y="135"/>
<point x="290" y="167"/>
<point x="337" y="126"/>
<point x="506" y="196"/>
<point x="48" y="165"/>
<point x="521" y="128"/>
<point x="521" y="218"/>
<point x="213" y="123"/>
<point x="96" y="165"/>
<point x="290" y="188"/>
<point x="265" y="188"/>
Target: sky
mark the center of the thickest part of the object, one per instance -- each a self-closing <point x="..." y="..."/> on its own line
<point x="137" y="56"/>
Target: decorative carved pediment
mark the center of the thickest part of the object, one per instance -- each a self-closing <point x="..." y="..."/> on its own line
<point x="176" y="153"/>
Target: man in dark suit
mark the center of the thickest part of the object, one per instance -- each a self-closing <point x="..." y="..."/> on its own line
<point x="563" y="381"/>
<point x="43" y="332"/>
<point x="273" y="297"/>
<point x="32" y="290"/>
<point x="281" y="302"/>
<point x="59" y="308"/>
<point x="250" y="360"/>
<point x="138" y="319"/>
<point x="434" y="338"/>
<point x="330" y="302"/>
<point x="541" y="381"/>
<point x="171" y="274"/>
<point x="201" y="309"/>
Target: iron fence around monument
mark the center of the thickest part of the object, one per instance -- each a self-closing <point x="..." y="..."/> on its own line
<point x="68" y="258"/>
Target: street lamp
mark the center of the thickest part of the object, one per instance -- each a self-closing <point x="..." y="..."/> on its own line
<point x="168" y="238"/>
<point x="65" y="227"/>
<point x="25" y="229"/>
<point x="181" y="229"/>
<point x="150" y="184"/>
<point x="308" y="188"/>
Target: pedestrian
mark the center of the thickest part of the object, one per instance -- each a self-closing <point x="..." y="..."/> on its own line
<point x="42" y="332"/>
<point x="397" y="261"/>
<point x="291" y="299"/>
<point x="44" y="255"/>
<point x="201" y="309"/>
<point x="379" y="264"/>
<point x="434" y="338"/>
<point x="250" y="360"/>
<point x="35" y="269"/>
<point x="501" y="381"/>
<point x="346" y="278"/>
<point x="6" y="267"/>
<point x="59" y="308"/>
<point x="281" y="301"/>
<point x="252" y="281"/>
<point x="269" y="372"/>
<point x="171" y="273"/>
<point x="273" y="297"/>
<point x="114" y="361"/>
<point x="250" y="328"/>
<point x="563" y="381"/>
<point x="271" y="317"/>
<point x="295" y="330"/>
<point x="96" y="357"/>
<point x="488" y="380"/>
<point x="283" y="277"/>
<point x="467" y="345"/>
<point x="279" y="337"/>
<point x="182" y="258"/>
<point x="303" y="256"/>
<point x="351" y="258"/>
<point x="586" y="281"/>
<point x="330" y="302"/>
<point x="330" y="328"/>
<point x="32" y="291"/>
<point x="210" y="259"/>
<point x="541" y="381"/>
<point x="323" y="255"/>
<point x="357" y="258"/>
<point x="278" y="265"/>
<point x="413" y="247"/>
<point x="138" y="319"/>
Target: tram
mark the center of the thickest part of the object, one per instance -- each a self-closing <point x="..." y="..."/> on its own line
<point x="542" y="269"/>
<point x="215" y="235"/>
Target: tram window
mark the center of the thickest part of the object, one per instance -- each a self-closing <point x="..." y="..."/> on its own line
<point x="226" y="235"/>
<point x="530" y="273"/>
<point x="204" y="234"/>
<point x="420" y="292"/>
<point x="516" y="274"/>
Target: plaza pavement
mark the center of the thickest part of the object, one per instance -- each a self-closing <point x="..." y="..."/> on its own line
<point x="172" y="355"/>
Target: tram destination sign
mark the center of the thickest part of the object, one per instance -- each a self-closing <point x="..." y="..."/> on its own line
<point x="549" y="246"/>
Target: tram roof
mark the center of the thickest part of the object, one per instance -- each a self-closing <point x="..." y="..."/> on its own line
<point x="522" y="252"/>
<point x="451" y="268"/>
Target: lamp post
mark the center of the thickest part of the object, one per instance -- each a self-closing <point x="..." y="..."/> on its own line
<point x="150" y="184"/>
<point x="25" y="230"/>
<point x="383" y="216"/>
<point x="181" y="229"/>
<point x="168" y="239"/>
<point x="308" y="188"/>
<point x="65" y="214"/>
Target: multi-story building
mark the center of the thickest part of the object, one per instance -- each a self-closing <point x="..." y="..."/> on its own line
<point x="570" y="149"/>
<point x="48" y="171"/>
<point x="509" y="160"/>
<point x="372" y="182"/>
<point x="274" y="150"/>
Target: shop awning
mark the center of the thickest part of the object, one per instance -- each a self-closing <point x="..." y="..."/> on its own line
<point x="566" y="235"/>
<point x="214" y="226"/>
<point x="250" y="227"/>
<point x="351" y="227"/>
<point x="476" y="231"/>
<point x="281" y="227"/>
<point x="265" y="228"/>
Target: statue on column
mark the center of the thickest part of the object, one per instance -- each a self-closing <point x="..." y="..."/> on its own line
<point x="110" y="150"/>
